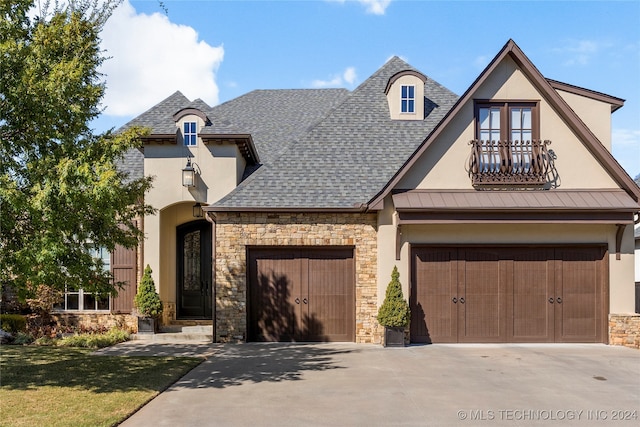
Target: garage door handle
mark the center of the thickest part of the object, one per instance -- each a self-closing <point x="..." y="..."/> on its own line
<point x="304" y="300"/>
<point x="297" y="300"/>
<point x="551" y="300"/>
<point x="454" y="300"/>
<point x="559" y="300"/>
<point x="461" y="300"/>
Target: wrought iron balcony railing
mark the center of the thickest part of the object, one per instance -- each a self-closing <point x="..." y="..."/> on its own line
<point x="520" y="163"/>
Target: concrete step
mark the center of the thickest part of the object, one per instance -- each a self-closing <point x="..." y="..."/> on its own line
<point x="199" y="329"/>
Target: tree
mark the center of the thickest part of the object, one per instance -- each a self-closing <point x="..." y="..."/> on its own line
<point x="394" y="311"/>
<point x="61" y="193"/>
<point x="147" y="300"/>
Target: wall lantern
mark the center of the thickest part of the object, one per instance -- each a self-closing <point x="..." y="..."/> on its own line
<point x="188" y="175"/>
<point x="197" y="211"/>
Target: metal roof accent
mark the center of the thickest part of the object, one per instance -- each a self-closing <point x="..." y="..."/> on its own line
<point x="528" y="200"/>
<point x="523" y="207"/>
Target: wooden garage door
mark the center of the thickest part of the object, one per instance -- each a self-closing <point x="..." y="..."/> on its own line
<point x="301" y="294"/>
<point x="508" y="294"/>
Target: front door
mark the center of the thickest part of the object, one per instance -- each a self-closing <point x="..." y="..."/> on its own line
<point x="193" y="281"/>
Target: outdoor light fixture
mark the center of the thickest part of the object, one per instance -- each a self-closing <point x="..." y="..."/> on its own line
<point x="188" y="175"/>
<point x="197" y="210"/>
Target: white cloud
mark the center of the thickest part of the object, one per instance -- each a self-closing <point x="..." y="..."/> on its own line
<point x="348" y="77"/>
<point x="374" y="7"/>
<point x="150" y="58"/>
<point x="626" y="149"/>
<point x="580" y="52"/>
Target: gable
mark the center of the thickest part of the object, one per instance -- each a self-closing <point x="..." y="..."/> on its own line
<point x="445" y="164"/>
<point x="565" y="114"/>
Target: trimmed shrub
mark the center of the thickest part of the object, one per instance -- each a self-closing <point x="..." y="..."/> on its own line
<point x="114" y="336"/>
<point x="147" y="300"/>
<point x="394" y="311"/>
<point x="13" y="323"/>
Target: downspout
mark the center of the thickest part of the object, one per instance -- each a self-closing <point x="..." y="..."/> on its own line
<point x="211" y="218"/>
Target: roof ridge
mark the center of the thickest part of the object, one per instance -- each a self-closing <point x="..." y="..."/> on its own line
<point x="591" y="142"/>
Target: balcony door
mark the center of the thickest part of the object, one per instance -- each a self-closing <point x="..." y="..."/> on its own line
<point x="193" y="267"/>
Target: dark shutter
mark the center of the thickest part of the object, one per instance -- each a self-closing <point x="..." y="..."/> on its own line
<point x="123" y="269"/>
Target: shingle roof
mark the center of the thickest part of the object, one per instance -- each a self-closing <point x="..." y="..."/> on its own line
<point x="274" y="118"/>
<point x="346" y="158"/>
<point x="159" y="118"/>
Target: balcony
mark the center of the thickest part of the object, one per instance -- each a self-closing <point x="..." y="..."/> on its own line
<point x="509" y="163"/>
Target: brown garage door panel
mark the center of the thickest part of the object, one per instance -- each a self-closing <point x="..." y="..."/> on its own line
<point x="431" y="302"/>
<point x="301" y="294"/>
<point x="531" y="317"/>
<point x="481" y="288"/>
<point x="579" y="279"/>
<point x="508" y="294"/>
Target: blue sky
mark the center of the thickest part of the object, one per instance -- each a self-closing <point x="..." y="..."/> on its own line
<point x="218" y="50"/>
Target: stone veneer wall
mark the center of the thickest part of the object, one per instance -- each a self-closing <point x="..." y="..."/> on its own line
<point x="236" y="231"/>
<point x="624" y="329"/>
<point x="124" y="321"/>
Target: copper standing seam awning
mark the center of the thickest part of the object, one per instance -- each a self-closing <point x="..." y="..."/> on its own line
<point x="500" y="206"/>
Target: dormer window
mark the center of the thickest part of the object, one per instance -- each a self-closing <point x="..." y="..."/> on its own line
<point x="405" y="95"/>
<point x="408" y="99"/>
<point x="190" y="134"/>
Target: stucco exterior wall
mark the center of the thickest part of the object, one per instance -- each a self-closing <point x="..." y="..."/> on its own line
<point x="219" y="168"/>
<point x="444" y="164"/>
<point x="595" y="114"/>
<point x="236" y="231"/>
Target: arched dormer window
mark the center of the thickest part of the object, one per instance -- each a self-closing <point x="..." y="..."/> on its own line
<point x="405" y="95"/>
<point x="189" y="121"/>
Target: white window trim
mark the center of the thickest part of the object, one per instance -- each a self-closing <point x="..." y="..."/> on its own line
<point x="408" y="98"/>
<point x="185" y="133"/>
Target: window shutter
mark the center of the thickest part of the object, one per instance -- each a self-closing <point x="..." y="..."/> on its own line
<point x="123" y="269"/>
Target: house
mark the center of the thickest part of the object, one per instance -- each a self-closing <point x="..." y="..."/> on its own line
<point x="503" y="209"/>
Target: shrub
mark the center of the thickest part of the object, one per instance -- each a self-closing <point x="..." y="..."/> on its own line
<point x="114" y="336"/>
<point x="13" y="323"/>
<point x="44" y="340"/>
<point x="147" y="300"/>
<point x="394" y="311"/>
<point x="22" y="339"/>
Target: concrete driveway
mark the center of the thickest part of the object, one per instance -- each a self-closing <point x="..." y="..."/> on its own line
<point x="439" y="385"/>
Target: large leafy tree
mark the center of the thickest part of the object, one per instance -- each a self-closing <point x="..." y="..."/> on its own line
<point x="61" y="193"/>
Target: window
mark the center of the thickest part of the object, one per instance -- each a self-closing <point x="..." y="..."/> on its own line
<point x="507" y="149"/>
<point x="407" y="99"/>
<point x="78" y="300"/>
<point x="190" y="134"/>
<point x="506" y="133"/>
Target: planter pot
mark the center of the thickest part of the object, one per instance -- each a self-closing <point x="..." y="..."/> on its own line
<point x="393" y="337"/>
<point x="147" y="325"/>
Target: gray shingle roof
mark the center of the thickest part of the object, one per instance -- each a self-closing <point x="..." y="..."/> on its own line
<point x="274" y="118"/>
<point x="346" y="158"/>
<point x="159" y="118"/>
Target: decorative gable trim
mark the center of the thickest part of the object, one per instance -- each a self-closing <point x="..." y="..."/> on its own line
<point x="190" y="111"/>
<point x="396" y="76"/>
<point x="595" y="147"/>
<point x="615" y="102"/>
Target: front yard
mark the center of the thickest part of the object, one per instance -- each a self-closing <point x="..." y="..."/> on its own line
<point x="68" y="386"/>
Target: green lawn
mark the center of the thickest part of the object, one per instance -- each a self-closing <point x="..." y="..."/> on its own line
<point x="68" y="387"/>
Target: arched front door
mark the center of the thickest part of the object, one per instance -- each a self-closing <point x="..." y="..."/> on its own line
<point x="193" y="267"/>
